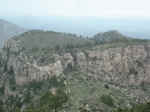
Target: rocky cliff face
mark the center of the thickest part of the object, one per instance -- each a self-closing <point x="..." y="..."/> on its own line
<point x="125" y="66"/>
<point x="121" y="67"/>
<point x="25" y="67"/>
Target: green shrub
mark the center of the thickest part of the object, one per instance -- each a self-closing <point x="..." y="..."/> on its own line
<point x="107" y="99"/>
<point x="54" y="101"/>
<point x="136" y="108"/>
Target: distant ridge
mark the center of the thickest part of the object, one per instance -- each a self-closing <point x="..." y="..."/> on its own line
<point x="8" y="30"/>
<point x="49" y="39"/>
<point x="110" y="36"/>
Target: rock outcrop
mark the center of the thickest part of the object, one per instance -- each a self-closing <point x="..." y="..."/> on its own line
<point x="122" y="71"/>
<point x="125" y="66"/>
<point x="24" y="70"/>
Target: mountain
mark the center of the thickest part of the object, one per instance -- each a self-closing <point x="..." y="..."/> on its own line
<point x="49" y="39"/>
<point x="78" y="76"/>
<point x="110" y="36"/>
<point x="8" y="30"/>
<point x="135" y="27"/>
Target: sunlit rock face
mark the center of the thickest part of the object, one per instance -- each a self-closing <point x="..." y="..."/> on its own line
<point x="120" y="70"/>
<point x="122" y="65"/>
<point x="125" y="66"/>
<point x="24" y="70"/>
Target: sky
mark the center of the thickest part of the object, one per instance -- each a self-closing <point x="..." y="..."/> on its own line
<point x="85" y="17"/>
<point x="95" y="8"/>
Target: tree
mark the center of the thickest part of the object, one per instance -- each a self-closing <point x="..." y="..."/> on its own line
<point x="53" y="101"/>
<point x="107" y="99"/>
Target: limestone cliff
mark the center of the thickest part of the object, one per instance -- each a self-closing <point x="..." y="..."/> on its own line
<point x="124" y="67"/>
<point x="129" y="65"/>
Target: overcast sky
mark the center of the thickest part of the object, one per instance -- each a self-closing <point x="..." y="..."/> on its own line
<point x="99" y="8"/>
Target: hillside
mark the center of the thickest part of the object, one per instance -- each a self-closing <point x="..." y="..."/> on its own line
<point x="38" y="76"/>
<point x="110" y="36"/>
<point x="49" y="39"/>
<point x="8" y="30"/>
<point x="39" y="39"/>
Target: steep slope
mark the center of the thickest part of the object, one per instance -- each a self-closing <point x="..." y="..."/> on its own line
<point x="110" y="36"/>
<point x="96" y="78"/>
<point x="49" y="39"/>
<point x="8" y="30"/>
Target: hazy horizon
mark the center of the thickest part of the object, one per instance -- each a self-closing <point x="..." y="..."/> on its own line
<point x="83" y="17"/>
<point x="87" y="26"/>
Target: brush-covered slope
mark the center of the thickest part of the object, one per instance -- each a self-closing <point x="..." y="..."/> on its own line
<point x="95" y="78"/>
<point x="110" y="36"/>
<point x="49" y="39"/>
<point x="8" y="30"/>
<point x="116" y="39"/>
